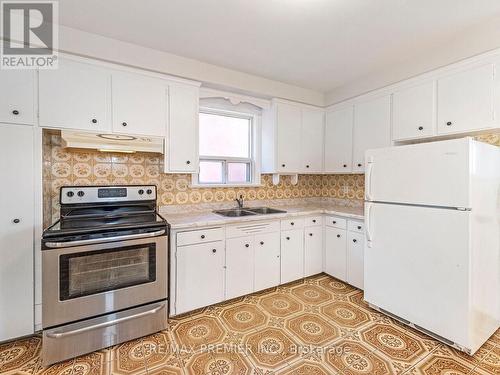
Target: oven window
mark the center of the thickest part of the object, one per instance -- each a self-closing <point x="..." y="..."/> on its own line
<point x="92" y="272"/>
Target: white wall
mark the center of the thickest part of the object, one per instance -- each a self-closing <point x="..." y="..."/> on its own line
<point x="471" y="42"/>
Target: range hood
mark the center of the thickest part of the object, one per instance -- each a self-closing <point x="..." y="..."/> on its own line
<point x="111" y="142"/>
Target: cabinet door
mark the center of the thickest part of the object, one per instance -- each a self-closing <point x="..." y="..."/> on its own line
<point x="292" y="255"/>
<point x="289" y="119"/>
<point x="75" y="96"/>
<point x="336" y="253"/>
<point x="139" y="104"/>
<point x="355" y="259"/>
<point x="414" y="112"/>
<point x="17" y="96"/>
<point x="466" y="101"/>
<point x="372" y="128"/>
<point x="239" y="266"/>
<point x="313" y="250"/>
<point x="16" y="231"/>
<point x="267" y="260"/>
<point x="182" y="139"/>
<point x="312" y="141"/>
<point x="338" y="141"/>
<point x="200" y="275"/>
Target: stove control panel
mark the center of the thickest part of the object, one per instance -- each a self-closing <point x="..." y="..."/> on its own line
<point x="100" y="194"/>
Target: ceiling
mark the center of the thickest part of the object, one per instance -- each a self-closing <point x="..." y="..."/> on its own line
<point x="316" y="44"/>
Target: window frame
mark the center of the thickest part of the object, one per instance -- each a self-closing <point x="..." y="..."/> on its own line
<point x="253" y="171"/>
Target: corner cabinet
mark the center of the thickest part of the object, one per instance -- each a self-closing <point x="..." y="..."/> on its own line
<point x="372" y="128"/>
<point x="292" y="138"/>
<point x="181" y="143"/>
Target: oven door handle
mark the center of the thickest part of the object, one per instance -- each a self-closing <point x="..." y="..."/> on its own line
<point x="59" y="335"/>
<point x="104" y="240"/>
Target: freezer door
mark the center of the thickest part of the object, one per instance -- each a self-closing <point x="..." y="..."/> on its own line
<point x="433" y="174"/>
<point x="417" y="266"/>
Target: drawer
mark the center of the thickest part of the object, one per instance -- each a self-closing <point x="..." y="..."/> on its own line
<point x="356" y="226"/>
<point x="313" y="221"/>
<point x="337" y="222"/>
<point x="295" y="223"/>
<point x="251" y="228"/>
<point x="200" y="236"/>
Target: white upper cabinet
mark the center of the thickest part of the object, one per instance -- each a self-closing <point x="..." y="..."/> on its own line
<point x="181" y="154"/>
<point x="372" y="128"/>
<point x="75" y="96"/>
<point x="139" y="104"/>
<point x="17" y="96"/>
<point x="338" y="140"/>
<point x="414" y="112"/>
<point x="312" y="141"/>
<point x="466" y="100"/>
<point x="289" y="121"/>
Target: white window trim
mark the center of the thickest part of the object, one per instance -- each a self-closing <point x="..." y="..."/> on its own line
<point x="255" y="151"/>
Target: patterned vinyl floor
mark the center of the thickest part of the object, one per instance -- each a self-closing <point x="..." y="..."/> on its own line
<point x="316" y="326"/>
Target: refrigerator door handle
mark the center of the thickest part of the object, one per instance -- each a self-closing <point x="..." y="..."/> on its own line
<point x="369" y="172"/>
<point x="368" y="225"/>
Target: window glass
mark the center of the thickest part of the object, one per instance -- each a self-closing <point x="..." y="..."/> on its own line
<point x="224" y="136"/>
<point x="211" y="172"/>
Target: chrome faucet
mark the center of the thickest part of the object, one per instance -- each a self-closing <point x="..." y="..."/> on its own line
<point x="240" y="201"/>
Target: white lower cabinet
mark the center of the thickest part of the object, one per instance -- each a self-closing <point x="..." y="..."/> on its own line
<point x="313" y="250"/>
<point x="344" y="250"/>
<point x="267" y="260"/>
<point x="335" y="252"/>
<point x="200" y="275"/>
<point x="355" y="258"/>
<point x="239" y="266"/>
<point x="292" y="255"/>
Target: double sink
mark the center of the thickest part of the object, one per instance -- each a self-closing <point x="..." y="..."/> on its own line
<point x="237" y="212"/>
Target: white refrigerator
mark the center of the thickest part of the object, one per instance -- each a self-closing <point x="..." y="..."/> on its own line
<point x="432" y="255"/>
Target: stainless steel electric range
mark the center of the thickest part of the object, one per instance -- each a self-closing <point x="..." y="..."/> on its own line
<point x="104" y="270"/>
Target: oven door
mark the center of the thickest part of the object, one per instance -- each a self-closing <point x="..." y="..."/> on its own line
<point x="86" y="281"/>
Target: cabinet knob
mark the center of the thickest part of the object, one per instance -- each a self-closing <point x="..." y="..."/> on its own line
<point x="310" y="234"/>
<point x="124" y="124"/>
<point x="288" y="238"/>
<point x="202" y="236"/>
<point x="420" y="128"/>
<point x="449" y="123"/>
<point x="247" y="245"/>
<point x="314" y="220"/>
<point x="214" y="251"/>
<point x="16" y="221"/>
<point x="359" y="164"/>
<point x="338" y="235"/>
<point x="292" y="223"/>
<point x="307" y="166"/>
<point x="15" y="112"/>
<point x="188" y="162"/>
<point x="334" y="222"/>
<point x="262" y="242"/>
<point x="354" y="240"/>
<point x="345" y="165"/>
<point x="94" y="121"/>
<point x="359" y="226"/>
<point x="283" y="165"/>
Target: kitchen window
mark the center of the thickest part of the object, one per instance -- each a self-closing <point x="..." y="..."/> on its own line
<point x="227" y="147"/>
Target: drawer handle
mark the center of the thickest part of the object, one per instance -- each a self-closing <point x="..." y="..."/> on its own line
<point x="420" y="128"/>
<point x="310" y="234"/>
<point x="188" y="162"/>
<point x="359" y="164"/>
<point x="214" y="251"/>
<point x="262" y="242"/>
<point x="334" y="222"/>
<point x="202" y="236"/>
<point x="354" y="240"/>
<point x="292" y="223"/>
<point x="307" y="166"/>
<point x="345" y="165"/>
<point x="15" y="112"/>
<point x="359" y="226"/>
<point x="288" y="238"/>
<point x="247" y="245"/>
<point x="338" y="235"/>
<point x="16" y="221"/>
<point x="449" y="123"/>
<point x="314" y="221"/>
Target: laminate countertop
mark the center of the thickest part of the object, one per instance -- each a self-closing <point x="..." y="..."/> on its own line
<point x="196" y="219"/>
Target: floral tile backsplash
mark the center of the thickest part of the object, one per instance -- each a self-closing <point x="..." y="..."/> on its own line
<point x="87" y="167"/>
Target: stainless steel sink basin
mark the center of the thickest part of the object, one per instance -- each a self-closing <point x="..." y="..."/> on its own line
<point x="237" y="212"/>
<point x="234" y="212"/>
<point x="265" y="210"/>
